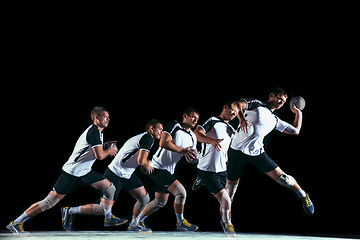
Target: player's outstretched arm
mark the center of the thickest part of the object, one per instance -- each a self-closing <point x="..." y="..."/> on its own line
<point x="242" y="105"/>
<point x="201" y="137"/>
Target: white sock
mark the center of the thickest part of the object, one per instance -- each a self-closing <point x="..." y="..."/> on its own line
<point x="107" y="214"/>
<point x="22" y="218"/>
<point x="179" y="217"/>
<point x="301" y="193"/>
<point x="75" y="210"/>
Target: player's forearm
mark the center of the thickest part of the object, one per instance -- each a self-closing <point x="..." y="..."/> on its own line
<point x="298" y="121"/>
<point x="168" y="145"/>
<point x="201" y="137"/>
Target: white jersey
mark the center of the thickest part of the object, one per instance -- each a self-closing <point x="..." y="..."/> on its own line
<point x="167" y="160"/>
<point x="263" y="121"/>
<point x="210" y="159"/>
<point x="126" y="161"/>
<point x="83" y="156"/>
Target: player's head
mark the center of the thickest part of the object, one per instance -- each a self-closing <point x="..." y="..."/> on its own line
<point x="277" y="98"/>
<point x="155" y="128"/>
<point x="100" y="116"/>
<point x="190" y="117"/>
<point x="229" y="111"/>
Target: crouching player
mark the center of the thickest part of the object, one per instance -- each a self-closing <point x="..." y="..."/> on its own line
<point x="120" y="171"/>
<point x="175" y="142"/>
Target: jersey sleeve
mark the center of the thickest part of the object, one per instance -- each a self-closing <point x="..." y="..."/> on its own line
<point x="93" y="137"/>
<point x="208" y="124"/>
<point x="280" y="124"/>
<point x="146" y="142"/>
<point x="252" y="103"/>
<point x="170" y="128"/>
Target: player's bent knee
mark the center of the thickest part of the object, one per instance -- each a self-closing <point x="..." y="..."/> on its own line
<point x="142" y="201"/>
<point x="286" y="180"/>
<point x="48" y="202"/>
<point x="180" y="194"/>
<point x="109" y="193"/>
<point x="157" y="204"/>
<point x="98" y="209"/>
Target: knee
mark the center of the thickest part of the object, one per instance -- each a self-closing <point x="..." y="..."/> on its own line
<point x="180" y="194"/>
<point x="48" y="202"/>
<point x="142" y="201"/>
<point x="286" y="180"/>
<point x="109" y="193"/>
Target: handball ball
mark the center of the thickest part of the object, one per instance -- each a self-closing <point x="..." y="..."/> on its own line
<point x="197" y="156"/>
<point x="298" y="101"/>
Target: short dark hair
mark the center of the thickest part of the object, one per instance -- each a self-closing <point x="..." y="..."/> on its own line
<point x="278" y="91"/>
<point x="96" y="111"/>
<point x="152" y="122"/>
<point x="188" y="111"/>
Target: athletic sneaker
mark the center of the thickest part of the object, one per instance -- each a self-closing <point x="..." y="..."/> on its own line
<point x="139" y="228"/>
<point x="17" y="229"/>
<point x="66" y="218"/>
<point x="228" y="229"/>
<point x="308" y="205"/>
<point x="114" y="221"/>
<point x="197" y="184"/>
<point x="185" y="226"/>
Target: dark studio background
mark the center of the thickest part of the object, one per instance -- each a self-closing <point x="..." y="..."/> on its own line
<point x="145" y="60"/>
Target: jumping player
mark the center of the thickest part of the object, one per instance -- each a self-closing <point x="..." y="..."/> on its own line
<point x="175" y="142"/>
<point x="216" y="134"/>
<point x="246" y="147"/>
<point x="120" y="171"/>
<point x="88" y="148"/>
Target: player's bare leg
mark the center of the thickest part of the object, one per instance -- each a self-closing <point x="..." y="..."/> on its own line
<point x="17" y="226"/>
<point x="137" y="224"/>
<point x="104" y="208"/>
<point x="288" y="181"/>
<point x="225" y="206"/>
<point x="142" y="198"/>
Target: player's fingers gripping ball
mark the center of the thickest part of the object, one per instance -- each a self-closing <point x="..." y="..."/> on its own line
<point x="197" y="156"/>
<point x="299" y="102"/>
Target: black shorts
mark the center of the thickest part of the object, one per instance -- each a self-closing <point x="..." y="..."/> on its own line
<point x="163" y="179"/>
<point x="67" y="183"/>
<point x="214" y="182"/>
<point x="122" y="183"/>
<point x="238" y="159"/>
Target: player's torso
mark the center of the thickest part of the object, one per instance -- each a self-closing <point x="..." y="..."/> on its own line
<point x="126" y="161"/>
<point x="82" y="157"/>
<point x="210" y="159"/>
<point x="165" y="159"/>
<point x="263" y="122"/>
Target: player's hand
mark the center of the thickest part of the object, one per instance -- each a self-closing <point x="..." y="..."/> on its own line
<point x="112" y="151"/>
<point x="147" y="169"/>
<point x="244" y="124"/>
<point x="294" y="109"/>
<point x="188" y="154"/>
<point x="216" y="144"/>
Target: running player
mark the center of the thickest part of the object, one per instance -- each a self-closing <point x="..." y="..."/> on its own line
<point x="246" y="147"/>
<point x="88" y="148"/>
<point x="120" y="171"/>
<point x="216" y="134"/>
<point x="176" y="141"/>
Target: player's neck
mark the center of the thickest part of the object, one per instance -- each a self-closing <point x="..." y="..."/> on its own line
<point x="99" y="127"/>
<point x="271" y="107"/>
<point x="186" y="127"/>
<point x="222" y="118"/>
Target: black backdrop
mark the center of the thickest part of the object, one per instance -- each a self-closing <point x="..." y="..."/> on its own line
<point x="152" y="60"/>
